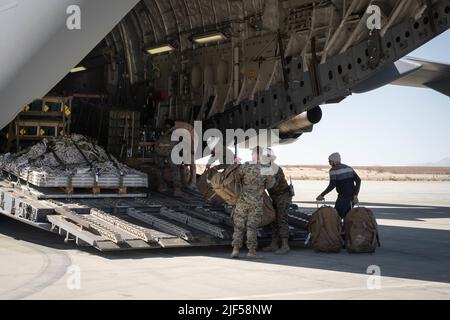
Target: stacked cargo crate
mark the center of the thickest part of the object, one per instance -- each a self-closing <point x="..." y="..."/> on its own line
<point x="49" y="117"/>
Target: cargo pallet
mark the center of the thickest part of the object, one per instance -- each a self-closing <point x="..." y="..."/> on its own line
<point x="130" y="222"/>
<point x="95" y="183"/>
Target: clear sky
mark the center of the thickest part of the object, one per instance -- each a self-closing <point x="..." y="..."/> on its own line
<point x="389" y="126"/>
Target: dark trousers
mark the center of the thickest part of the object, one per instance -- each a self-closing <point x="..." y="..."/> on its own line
<point x="343" y="206"/>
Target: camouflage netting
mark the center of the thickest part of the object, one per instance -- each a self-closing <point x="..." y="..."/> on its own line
<point x="63" y="156"/>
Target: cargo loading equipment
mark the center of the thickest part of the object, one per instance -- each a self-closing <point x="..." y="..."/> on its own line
<point x="110" y="222"/>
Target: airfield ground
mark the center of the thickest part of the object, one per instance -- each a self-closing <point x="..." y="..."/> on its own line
<point x="414" y="260"/>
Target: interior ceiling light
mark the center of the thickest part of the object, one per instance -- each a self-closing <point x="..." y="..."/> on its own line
<point x="161" y="49"/>
<point x="211" y="37"/>
<point x="78" y="69"/>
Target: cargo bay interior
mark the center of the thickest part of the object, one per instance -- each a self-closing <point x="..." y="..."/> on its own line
<point x="231" y="64"/>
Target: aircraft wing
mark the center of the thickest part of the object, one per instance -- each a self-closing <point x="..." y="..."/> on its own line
<point x="431" y="75"/>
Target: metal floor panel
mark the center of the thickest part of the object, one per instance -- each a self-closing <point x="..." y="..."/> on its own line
<point x="110" y="224"/>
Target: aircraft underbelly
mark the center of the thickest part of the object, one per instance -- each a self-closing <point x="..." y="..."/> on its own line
<point x="37" y="49"/>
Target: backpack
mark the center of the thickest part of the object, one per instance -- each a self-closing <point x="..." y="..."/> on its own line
<point x="227" y="187"/>
<point x="325" y="228"/>
<point x="205" y="188"/>
<point x="361" y="231"/>
<point x="225" y="184"/>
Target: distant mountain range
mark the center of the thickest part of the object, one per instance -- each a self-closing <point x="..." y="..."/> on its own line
<point x="443" y="163"/>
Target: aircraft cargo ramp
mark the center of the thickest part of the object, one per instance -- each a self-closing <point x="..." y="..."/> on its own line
<point x="111" y="222"/>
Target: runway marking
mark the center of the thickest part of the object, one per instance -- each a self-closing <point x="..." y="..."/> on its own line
<point x="312" y="292"/>
<point x="423" y="223"/>
<point x="55" y="267"/>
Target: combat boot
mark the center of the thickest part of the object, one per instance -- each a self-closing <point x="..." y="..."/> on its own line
<point x="284" y="247"/>
<point x="235" y="253"/>
<point x="272" y="247"/>
<point x="252" y="254"/>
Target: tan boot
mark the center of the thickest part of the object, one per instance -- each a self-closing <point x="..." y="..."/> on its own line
<point x="272" y="247"/>
<point x="252" y="254"/>
<point x="284" y="249"/>
<point x="235" y="253"/>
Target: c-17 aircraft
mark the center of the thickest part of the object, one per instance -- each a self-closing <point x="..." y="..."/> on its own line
<point x="261" y="64"/>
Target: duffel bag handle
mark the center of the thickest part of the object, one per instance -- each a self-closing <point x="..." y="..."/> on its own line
<point x="319" y="203"/>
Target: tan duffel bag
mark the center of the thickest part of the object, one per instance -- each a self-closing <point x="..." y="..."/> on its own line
<point x="225" y="185"/>
<point x="325" y="229"/>
<point x="205" y="188"/>
<point x="361" y="231"/>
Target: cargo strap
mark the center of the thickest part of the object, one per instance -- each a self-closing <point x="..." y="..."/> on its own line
<point x="91" y="165"/>
<point x="70" y="182"/>
<point x="82" y="154"/>
<point x="51" y="149"/>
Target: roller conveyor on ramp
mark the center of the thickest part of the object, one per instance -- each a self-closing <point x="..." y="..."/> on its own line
<point x="108" y="224"/>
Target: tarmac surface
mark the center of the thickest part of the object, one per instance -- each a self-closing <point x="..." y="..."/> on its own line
<point x="414" y="260"/>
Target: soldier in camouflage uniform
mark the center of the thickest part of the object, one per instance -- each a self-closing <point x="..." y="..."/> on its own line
<point x="281" y="195"/>
<point x="248" y="212"/>
<point x="163" y="152"/>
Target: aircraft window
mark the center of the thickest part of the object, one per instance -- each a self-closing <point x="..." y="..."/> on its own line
<point x="330" y="75"/>
<point x="302" y="84"/>
<point x="407" y="34"/>
<point x="350" y="66"/>
<point x="340" y="69"/>
<point x="299" y="66"/>
<point x="359" y="60"/>
<point x="425" y="21"/>
<point x="389" y="45"/>
<point x="397" y="39"/>
<point x="416" y="25"/>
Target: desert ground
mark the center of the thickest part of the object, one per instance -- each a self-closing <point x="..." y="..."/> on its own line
<point x="368" y="173"/>
<point x="414" y="219"/>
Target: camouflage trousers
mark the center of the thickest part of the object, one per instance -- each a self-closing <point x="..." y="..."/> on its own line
<point x="162" y="163"/>
<point x="280" y="227"/>
<point x="247" y="218"/>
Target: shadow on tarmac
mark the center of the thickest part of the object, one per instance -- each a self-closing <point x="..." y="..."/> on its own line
<point x="406" y="252"/>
